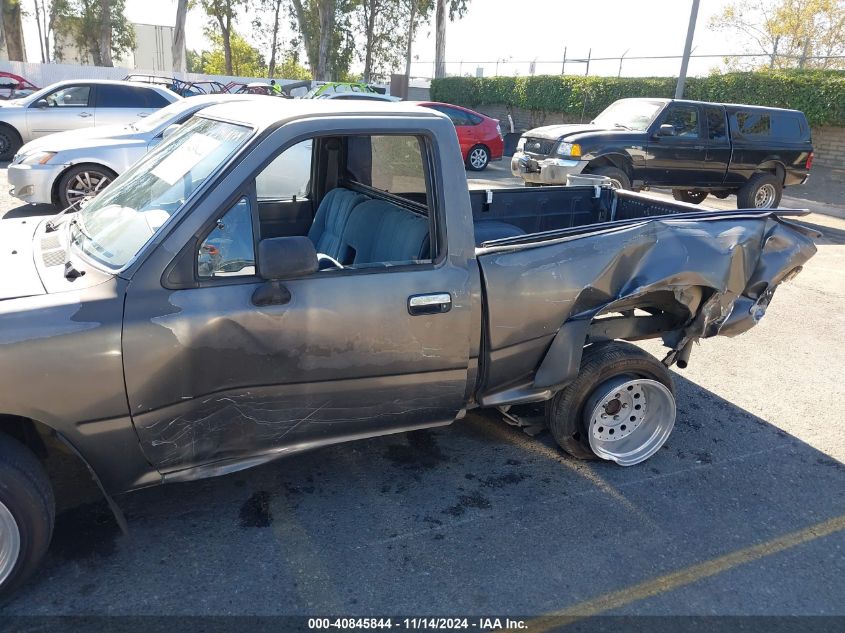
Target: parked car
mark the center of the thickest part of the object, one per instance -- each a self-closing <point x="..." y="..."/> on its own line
<point x="70" y="167"/>
<point x="480" y="137"/>
<point x="692" y="147"/>
<point x="342" y="87"/>
<point x="191" y="321"/>
<point x="354" y="96"/>
<point x="76" y="104"/>
<point x="171" y="83"/>
<point x="255" y="88"/>
<point x="14" y="86"/>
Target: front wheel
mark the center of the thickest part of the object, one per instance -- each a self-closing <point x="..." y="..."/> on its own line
<point x="478" y="158"/>
<point x="620" y="408"/>
<point x="27" y="513"/>
<point x="81" y="183"/>
<point x="10" y="142"/>
<point x="618" y="178"/>
<point x="690" y="197"/>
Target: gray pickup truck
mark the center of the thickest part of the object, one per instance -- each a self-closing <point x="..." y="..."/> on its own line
<point x="276" y="279"/>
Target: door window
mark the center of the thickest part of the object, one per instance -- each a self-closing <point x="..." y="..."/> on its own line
<point x="684" y="118"/>
<point x="229" y="249"/>
<point x="69" y="97"/>
<point x="716" y="129"/>
<point x="288" y="176"/>
<point x="109" y="96"/>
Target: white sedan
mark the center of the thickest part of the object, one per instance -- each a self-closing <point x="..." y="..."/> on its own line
<point x="67" y="168"/>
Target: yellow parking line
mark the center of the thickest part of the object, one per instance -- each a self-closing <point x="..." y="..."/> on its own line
<point x="686" y="576"/>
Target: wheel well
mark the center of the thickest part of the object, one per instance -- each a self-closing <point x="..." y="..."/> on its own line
<point x="54" y="192"/>
<point x="34" y="435"/>
<point x="7" y="126"/>
<point x="609" y="160"/>
<point x="776" y="168"/>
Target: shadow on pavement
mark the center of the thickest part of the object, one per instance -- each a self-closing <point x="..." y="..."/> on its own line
<point x="477" y="518"/>
<point x="830" y="235"/>
<point x="29" y="211"/>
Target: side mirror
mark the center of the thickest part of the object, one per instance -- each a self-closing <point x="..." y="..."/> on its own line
<point x="285" y="257"/>
<point x="170" y="129"/>
<point x="667" y="129"/>
<point x="42" y="104"/>
<point x="282" y="258"/>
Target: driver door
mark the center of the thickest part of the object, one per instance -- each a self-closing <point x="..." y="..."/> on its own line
<point x="68" y="108"/>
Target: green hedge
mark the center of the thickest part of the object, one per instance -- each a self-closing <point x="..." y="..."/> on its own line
<point x="819" y="94"/>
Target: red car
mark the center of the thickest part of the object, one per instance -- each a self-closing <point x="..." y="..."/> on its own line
<point x="480" y="136"/>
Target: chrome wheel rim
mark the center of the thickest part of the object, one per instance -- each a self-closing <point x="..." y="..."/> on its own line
<point x="629" y="419"/>
<point x="478" y="158"/>
<point x="10" y="543"/>
<point x="765" y="196"/>
<point x="86" y="184"/>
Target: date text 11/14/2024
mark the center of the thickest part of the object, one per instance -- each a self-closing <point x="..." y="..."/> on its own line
<point x="418" y="624"/>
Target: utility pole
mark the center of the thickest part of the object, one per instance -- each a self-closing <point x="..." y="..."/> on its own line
<point x="682" y="77"/>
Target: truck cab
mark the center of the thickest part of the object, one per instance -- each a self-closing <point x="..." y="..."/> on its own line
<point x="265" y="282"/>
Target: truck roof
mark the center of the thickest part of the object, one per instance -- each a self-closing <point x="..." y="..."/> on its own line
<point x="729" y="106"/>
<point x="265" y="114"/>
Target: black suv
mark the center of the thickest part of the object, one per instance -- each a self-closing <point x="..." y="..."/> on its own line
<point x="696" y="148"/>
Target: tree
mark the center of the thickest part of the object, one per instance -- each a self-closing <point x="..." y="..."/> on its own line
<point x="245" y="59"/>
<point x="419" y="12"/>
<point x="97" y="28"/>
<point x="325" y="29"/>
<point x="455" y="8"/>
<point x="222" y="14"/>
<point x="269" y="14"/>
<point x="13" y="30"/>
<point x="790" y="33"/>
<point x="178" y="46"/>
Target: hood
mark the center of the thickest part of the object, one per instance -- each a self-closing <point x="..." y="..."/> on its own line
<point x="107" y="135"/>
<point x="18" y="275"/>
<point x="555" y="132"/>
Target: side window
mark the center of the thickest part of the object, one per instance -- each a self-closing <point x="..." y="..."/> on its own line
<point x="229" y="250"/>
<point x="288" y="175"/>
<point x="151" y="99"/>
<point x="754" y="124"/>
<point x="117" y="97"/>
<point x="716" y="130"/>
<point x="684" y="118"/>
<point x="786" y="127"/>
<point x="458" y="117"/>
<point x="69" y="97"/>
<point x="392" y="164"/>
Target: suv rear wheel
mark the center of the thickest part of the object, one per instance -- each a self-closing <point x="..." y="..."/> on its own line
<point x="27" y="512"/>
<point x="691" y="197"/>
<point x="762" y="191"/>
<point x="620" y="408"/>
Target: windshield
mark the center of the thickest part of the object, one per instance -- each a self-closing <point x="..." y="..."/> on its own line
<point x="159" y="117"/>
<point x="629" y="114"/>
<point x="116" y="224"/>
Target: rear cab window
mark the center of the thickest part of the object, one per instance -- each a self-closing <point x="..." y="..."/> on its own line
<point x="762" y="126"/>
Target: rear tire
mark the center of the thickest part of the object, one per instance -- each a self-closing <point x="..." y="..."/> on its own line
<point x="605" y="369"/>
<point x="618" y="178"/>
<point x="690" y="197"/>
<point x="762" y="191"/>
<point x="81" y="182"/>
<point x="478" y="158"/>
<point x="10" y="142"/>
<point x="27" y="514"/>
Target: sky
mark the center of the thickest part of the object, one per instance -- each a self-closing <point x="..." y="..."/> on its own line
<point x="516" y="32"/>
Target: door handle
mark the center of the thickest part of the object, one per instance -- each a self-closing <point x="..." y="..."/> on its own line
<point x="434" y="303"/>
<point x="143" y="114"/>
<point x="84" y="115"/>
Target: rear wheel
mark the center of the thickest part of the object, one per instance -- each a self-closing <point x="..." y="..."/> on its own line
<point x="478" y="158"/>
<point x="10" y="142"/>
<point x="618" y="178"/>
<point x="83" y="182"/>
<point x="620" y="408"/>
<point x="27" y="512"/>
<point x="691" y="197"/>
<point x="762" y="191"/>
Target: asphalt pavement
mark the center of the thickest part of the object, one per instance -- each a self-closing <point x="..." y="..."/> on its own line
<point x="741" y="513"/>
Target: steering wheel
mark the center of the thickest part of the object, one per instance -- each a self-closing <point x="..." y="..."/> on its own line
<point x="325" y="261"/>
